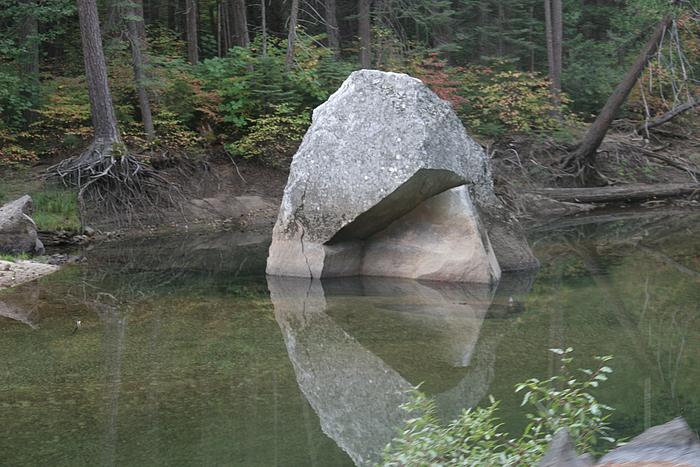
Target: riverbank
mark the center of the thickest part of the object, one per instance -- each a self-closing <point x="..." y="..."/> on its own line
<point x="218" y="192"/>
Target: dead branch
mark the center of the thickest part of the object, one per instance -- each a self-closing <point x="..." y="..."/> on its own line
<point x="668" y="116"/>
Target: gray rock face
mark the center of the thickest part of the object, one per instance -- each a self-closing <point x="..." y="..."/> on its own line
<point x="387" y="182"/>
<point x="561" y="453"/>
<point x="672" y="443"/>
<point x="17" y="229"/>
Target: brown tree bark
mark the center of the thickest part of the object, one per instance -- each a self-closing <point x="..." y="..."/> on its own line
<point x="263" y="20"/>
<point x="365" y="33"/>
<point x="225" y="25"/>
<point x="29" y="61"/>
<point x="241" y="36"/>
<point x="558" y="41"/>
<point x="111" y="24"/>
<point x="136" y="33"/>
<point x="554" y="34"/>
<point x="192" y="20"/>
<point x="292" y="35"/>
<point x="585" y="154"/>
<point x="136" y="7"/>
<point x="104" y="120"/>
<point x="332" y="31"/>
<point x="500" y="21"/>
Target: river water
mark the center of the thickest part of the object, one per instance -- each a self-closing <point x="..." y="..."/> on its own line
<point x="188" y="355"/>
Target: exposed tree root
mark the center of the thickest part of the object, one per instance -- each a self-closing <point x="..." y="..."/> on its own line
<point x="114" y="183"/>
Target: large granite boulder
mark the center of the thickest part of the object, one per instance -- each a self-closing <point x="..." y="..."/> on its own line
<point x="17" y="229"/>
<point x="561" y="453"/>
<point x="387" y="183"/>
<point x="673" y="443"/>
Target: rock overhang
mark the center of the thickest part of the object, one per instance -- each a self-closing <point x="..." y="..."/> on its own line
<point x="380" y="148"/>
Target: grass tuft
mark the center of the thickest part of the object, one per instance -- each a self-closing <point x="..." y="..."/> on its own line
<point x="14" y="258"/>
<point x="56" y="209"/>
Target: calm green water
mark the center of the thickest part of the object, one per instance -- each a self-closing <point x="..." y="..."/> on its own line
<point x="188" y="355"/>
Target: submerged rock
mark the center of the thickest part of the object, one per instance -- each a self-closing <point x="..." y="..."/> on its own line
<point x="387" y="183"/>
<point x="17" y="229"/>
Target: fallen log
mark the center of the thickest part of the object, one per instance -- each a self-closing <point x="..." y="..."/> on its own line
<point x="620" y="194"/>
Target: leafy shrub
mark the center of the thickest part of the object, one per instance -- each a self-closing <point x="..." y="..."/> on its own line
<point x="13" y="100"/>
<point x="64" y="123"/>
<point x="251" y="85"/>
<point x="497" y="99"/>
<point x="273" y="138"/>
<point x="505" y="100"/>
<point x="475" y="437"/>
<point x="13" y="153"/>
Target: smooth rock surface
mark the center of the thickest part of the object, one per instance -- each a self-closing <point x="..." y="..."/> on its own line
<point x="17" y="229"/>
<point x="561" y="453"/>
<point x="379" y="148"/>
<point x="15" y="273"/>
<point x="442" y="239"/>
<point x="672" y="443"/>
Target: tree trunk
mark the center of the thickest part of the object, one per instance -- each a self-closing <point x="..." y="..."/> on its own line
<point x="172" y="15"/>
<point x="219" y="35"/>
<point x="263" y="16"/>
<point x="113" y="15"/>
<point x="137" y="12"/>
<point x="500" y="21"/>
<point x="586" y="151"/>
<point x="364" y="30"/>
<point x="483" y="36"/>
<point x="192" y="42"/>
<point x="558" y="42"/>
<point x="138" y="42"/>
<point x="105" y="173"/>
<point x="225" y="27"/>
<point x="332" y="27"/>
<point x="554" y="33"/>
<point x="292" y="36"/>
<point x="29" y="61"/>
<point x="241" y="37"/>
<point x="104" y="120"/>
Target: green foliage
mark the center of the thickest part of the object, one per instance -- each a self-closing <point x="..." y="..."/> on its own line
<point x="64" y="123"/>
<point x="564" y="401"/>
<point x="475" y="437"/>
<point x="14" y="258"/>
<point x="487" y="57"/>
<point x="273" y="138"/>
<point x="497" y="99"/>
<point x="13" y="99"/>
<point x="251" y="85"/>
<point x="13" y="154"/>
<point x="56" y="209"/>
